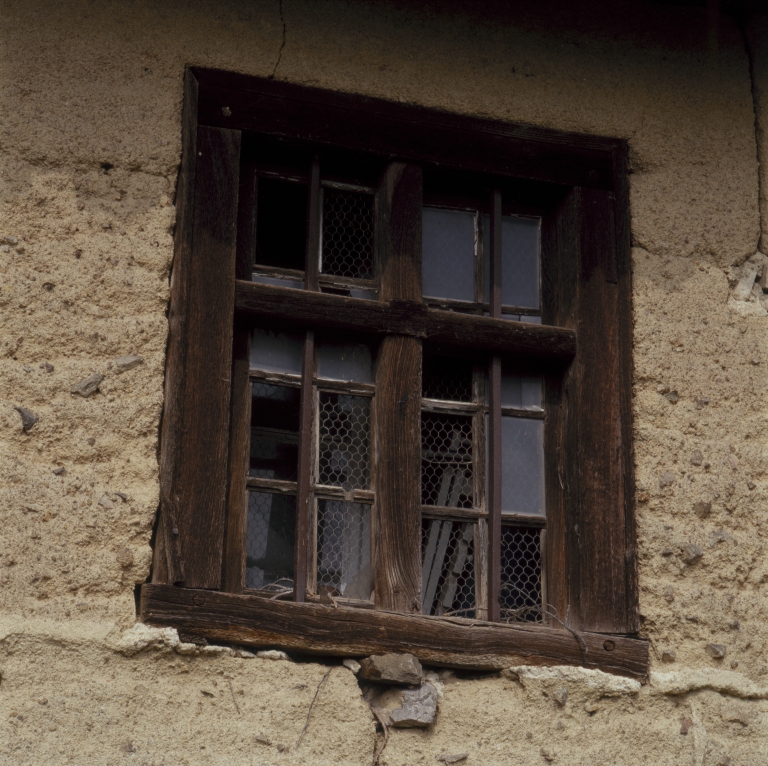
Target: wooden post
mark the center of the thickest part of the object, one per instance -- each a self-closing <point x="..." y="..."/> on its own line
<point x="397" y="523"/>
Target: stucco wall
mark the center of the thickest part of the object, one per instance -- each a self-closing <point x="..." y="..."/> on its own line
<point x="90" y="144"/>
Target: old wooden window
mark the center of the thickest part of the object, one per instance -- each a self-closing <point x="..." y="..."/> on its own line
<point x="398" y="384"/>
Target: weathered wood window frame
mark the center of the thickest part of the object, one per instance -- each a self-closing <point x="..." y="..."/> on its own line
<point x="578" y="184"/>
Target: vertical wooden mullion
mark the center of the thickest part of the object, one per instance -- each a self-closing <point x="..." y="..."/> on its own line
<point x="397" y="543"/>
<point x="494" y="424"/>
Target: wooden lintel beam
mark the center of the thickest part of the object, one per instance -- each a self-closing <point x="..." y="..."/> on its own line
<point x="446" y="328"/>
<point x="347" y="632"/>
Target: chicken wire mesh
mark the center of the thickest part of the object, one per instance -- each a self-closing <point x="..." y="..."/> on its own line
<point x="270" y="540"/>
<point x="448" y="567"/>
<point x="445" y="378"/>
<point x="345" y="423"/>
<point x="520" y="588"/>
<point x="344" y="549"/>
<point x="274" y="447"/>
<point x="446" y="460"/>
<point x="347" y="234"/>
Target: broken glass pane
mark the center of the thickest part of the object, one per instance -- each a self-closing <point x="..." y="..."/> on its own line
<point x="274" y="431"/>
<point x="344" y="549"/>
<point x="519" y="261"/>
<point x="448" y="254"/>
<point x="522" y="472"/>
<point x="270" y="540"/>
<point x="276" y="351"/>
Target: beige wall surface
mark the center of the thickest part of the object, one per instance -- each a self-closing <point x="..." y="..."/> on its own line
<point x="89" y="154"/>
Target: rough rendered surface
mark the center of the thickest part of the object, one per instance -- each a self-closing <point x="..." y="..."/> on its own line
<point x="89" y="151"/>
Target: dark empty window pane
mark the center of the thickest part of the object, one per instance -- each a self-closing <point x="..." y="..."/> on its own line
<point x="520" y="591"/>
<point x="274" y="431"/>
<point x="448" y="254"/>
<point x="281" y="224"/>
<point x="448" y="567"/>
<point x="347" y="234"/>
<point x="271" y="537"/>
<point x="446" y="460"/>
<point x="522" y="471"/>
<point x="519" y="261"/>
<point x="344" y="549"/>
<point x="446" y="378"/>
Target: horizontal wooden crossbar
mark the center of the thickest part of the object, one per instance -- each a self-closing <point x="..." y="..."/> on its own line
<point x="444" y="328"/>
<point x="345" y="632"/>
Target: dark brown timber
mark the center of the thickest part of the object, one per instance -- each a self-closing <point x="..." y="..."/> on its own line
<point x="396" y="536"/>
<point x="494" y="466"/>
<point x="317" y="629"/>
<point x="410" y="132"/>
<point x="447" y="328"/>
<point x="194" y="456"/>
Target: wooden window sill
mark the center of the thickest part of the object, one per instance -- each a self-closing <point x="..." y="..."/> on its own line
<point x="349" y="632"/>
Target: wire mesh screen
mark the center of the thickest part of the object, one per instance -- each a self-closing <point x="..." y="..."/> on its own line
<point x="448" y="567"/>
<point x="344" y="549"/>
<point x="270" y="540"/>
<point x="445" y="378"/>
<point x="345" y="423"/>
<point x="274" y="449"/>
<point x="520" y="591"/>
<point x="446" y="460"/>
<point x="347" y="234"/>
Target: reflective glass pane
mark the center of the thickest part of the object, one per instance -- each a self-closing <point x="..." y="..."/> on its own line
<point x="276" y="351"/>
<point x="274" y="431"/>
<point x="345" y="423"/>
<point x="448" y="254"/>
<point x="270" y="540"/>
<point x="344" y="549"/>
<point x="297" y="284"/>
<point x="519" y="262"/>
<point x="522" y="391"/>
<point x="522" y="471"/>
<point x="344" y="361"/>
<point x="281" y="224"/>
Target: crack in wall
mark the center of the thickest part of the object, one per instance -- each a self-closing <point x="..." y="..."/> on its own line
<point x="282" y="42"/>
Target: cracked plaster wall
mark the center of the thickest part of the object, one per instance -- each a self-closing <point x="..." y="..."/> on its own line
<point x="89" y="146"/>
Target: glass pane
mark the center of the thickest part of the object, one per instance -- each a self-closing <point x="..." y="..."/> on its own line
<point x="520" y="592"/>
<point x="344" y="549"/>
<point x="446" y="460"/>
<point x="448" y="567"/>
<point x="522" y="472"/>
<point x="366" y="295"/>
<point x="522" y="391"/>
<point x="276" y="351"/>
<point x="274" y="431"/>
<point x="519" y="261"/>
<point x="281" y="224"/>
<point x="345" y="423"/>
<point x="347" y="234"/>
<point x="344" y="361"/>
<point x="271" y="537"/>
<point x="448" y="254"/>
<point x="278" y="282"/>
<point x="522" y="318"/>
<point x="446" y="378"/>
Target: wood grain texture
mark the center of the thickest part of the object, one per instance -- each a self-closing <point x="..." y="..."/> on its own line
<point x="409" y="132"/>
<point x="478" y="334"/>
<point x="317" y="629"/>
<point x="195" y="435"/>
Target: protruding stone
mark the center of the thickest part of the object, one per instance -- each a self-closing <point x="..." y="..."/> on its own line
<point x="668" y="655"/>
<point x="673" y="397"/>
<point x="743" y="288"/>
<point x="272" y="654"/>
<point x="125" y="558"/>
<point x="716" y="651"/>
<point x="28" y="418"/>
<point x="352" y="665"/>
<point x="449" y="758"/>
<point x="733" y="714"/>
<point x="88" y="386"/>
<point x="60" y="471"/>
<point x="403" y="669"/>
<point x="691" y="554"/>
<point x="418" y="710"/>
<point x="560" y="696"/>
<point x="105" y="502"/>
<point x="125" y="363"/>
<point x="667" y="479"/>
<point x="697" y="458"/>
<point x="702" y="509"/>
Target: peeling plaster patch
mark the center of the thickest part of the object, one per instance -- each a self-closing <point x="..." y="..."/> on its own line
<point x="722" y="681"/>
<point x="594" y="680"/>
